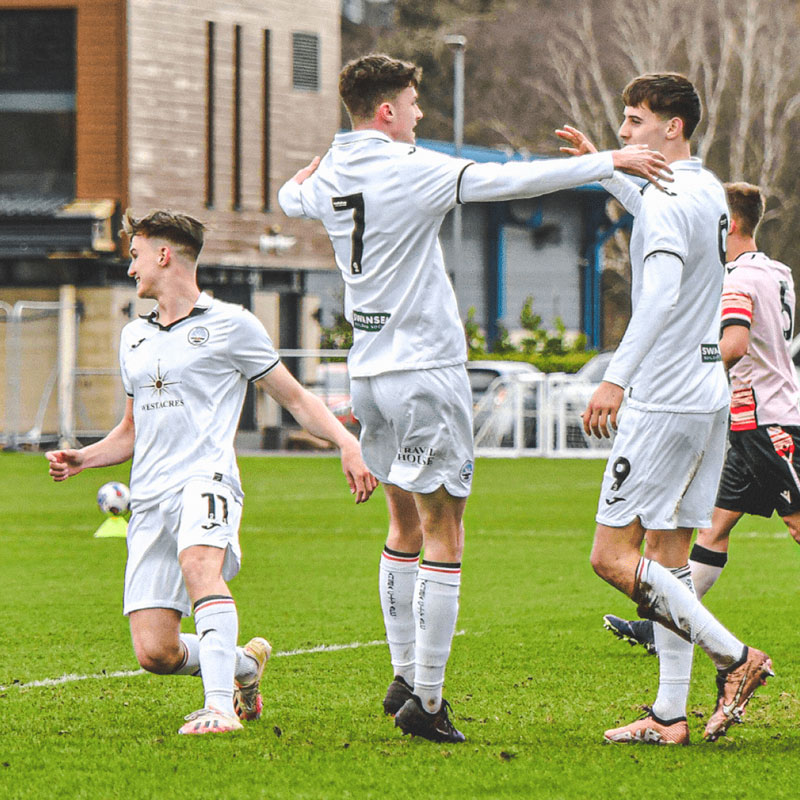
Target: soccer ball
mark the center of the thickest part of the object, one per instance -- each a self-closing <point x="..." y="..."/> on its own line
<point x="114" y="498"/>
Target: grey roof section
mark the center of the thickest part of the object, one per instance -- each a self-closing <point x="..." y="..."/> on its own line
<point x="18" y="206"/>
<point x="46" y="227"/>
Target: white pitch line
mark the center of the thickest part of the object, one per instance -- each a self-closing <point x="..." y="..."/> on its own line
<point x="123" y="673"/>
<point x="129" y="673"/>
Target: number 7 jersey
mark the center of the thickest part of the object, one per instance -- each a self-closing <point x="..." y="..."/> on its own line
<point x="382" y="203"/>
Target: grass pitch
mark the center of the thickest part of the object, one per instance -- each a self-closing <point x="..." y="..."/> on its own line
<point x="534" y="679"/>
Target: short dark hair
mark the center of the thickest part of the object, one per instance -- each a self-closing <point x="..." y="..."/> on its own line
<point x="746" y="203"/>
<point x="181" y="230"/>
<point x="667" y="94"/>
<point x="370" y="80"/>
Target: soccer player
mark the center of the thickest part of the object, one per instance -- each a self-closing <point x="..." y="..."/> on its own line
<point x="382" y="200"/>
<point x="760" y="472"/>
<point x="662" y="474"/>
<point x="185" y="367"/>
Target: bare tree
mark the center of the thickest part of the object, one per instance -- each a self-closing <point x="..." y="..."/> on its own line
<point x="743" y="59"/>
<point x="710" y="58"/>
<point x="534" y="65"/>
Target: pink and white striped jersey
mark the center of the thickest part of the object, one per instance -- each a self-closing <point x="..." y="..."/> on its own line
<point x="759" y="293"/>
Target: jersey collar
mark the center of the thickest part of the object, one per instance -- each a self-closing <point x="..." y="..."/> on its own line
<point x="349" y="137"/>
<point x="692" y="164"/>
<point x="746" y="253"/>
<point x="200" y="307"/>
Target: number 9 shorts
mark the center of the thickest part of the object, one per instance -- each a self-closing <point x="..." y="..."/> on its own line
<point x="664" y="468"/>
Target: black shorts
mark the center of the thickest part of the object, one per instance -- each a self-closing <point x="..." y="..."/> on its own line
<point x="760" y="474"/>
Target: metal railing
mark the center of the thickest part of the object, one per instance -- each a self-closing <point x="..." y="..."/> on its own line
<point x="534" y="414"/>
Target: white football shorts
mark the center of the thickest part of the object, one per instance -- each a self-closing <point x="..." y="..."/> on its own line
<point x="416" y="428"/>
<point x="204" y="512"/>
<point x="664" y="468"/>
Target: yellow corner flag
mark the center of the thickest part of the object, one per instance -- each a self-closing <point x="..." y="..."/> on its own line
<point x="113" y="527"/>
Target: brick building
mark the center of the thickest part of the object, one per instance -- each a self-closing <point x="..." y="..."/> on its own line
<point x="202" y="106"/>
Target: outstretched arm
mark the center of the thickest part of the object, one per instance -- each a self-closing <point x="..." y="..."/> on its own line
<point x="115" y="448"/>
<point x="488" y="182"/>
<point x="317" y="419"/>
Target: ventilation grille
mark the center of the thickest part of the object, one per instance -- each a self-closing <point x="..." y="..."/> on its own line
<point x="305" y="61"/>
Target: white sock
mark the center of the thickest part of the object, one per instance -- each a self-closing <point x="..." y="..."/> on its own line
<point x="663" y="598"/>
<point x="675" y="656"/>
<point x="246" y="665"/>
<point x="396" y="580"/>
<point x="706" y="567"/>
<point x="191" y="655"/>
<point x="217" y="625"/>
<point x="435" y="614"/>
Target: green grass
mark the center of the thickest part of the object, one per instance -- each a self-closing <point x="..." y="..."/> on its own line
<point x="534" y="680"/>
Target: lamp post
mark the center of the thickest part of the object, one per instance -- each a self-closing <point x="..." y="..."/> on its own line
<point x="457" y="44"/>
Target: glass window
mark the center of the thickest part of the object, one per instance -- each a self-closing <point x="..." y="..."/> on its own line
<point x="37" y="103"/>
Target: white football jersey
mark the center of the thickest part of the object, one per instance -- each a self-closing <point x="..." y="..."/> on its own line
<point x="187" y="381"/>
<point x="759" y="294"/>
<point x="382" y="203"/>
<point x="683" y="371"/>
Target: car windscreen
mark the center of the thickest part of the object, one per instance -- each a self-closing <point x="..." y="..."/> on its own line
<point x="479" y="380"/>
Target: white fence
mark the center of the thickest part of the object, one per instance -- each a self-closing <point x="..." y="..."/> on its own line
<point x="534" y="414"/>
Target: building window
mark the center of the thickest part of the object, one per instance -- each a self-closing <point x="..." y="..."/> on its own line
<point x="305" y="61"/>
<point x="210" y="164"/>
<point x="266" y="165"/>
<point x="237" y="118"/>
<point x="37" y="103"/>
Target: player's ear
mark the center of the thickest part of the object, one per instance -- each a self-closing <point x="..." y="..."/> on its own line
<point x="385" y="112"/>
<point x="164" y="256"/>
<point x="733" y="226"/>
<point x="675" y="128"/>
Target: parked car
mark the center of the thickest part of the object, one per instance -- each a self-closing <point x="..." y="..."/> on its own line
<point x="493" y="402"/>
<point x="594" y="369"/>
<point x="571" y="397"/>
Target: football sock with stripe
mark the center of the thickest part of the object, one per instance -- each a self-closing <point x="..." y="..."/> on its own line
<point x="663" y="598"/>
<point x="397" y="577"/>
<point x="435" y="613"/>
<point x="706" y="567"/>
<point x="191" y="655"/>
<point x="217" y="625"/>
<point x="246" y="666"/>
<point x="675" y="657"/>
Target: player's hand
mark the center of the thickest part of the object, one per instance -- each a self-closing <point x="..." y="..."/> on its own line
<point x="601" y="413"/>
<point x="361" y="481"/>
<point x="639" y="159"/>
<point x="578" y="142"/>
<point x="307" y="171"/>
<point x="64" y="463"/>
